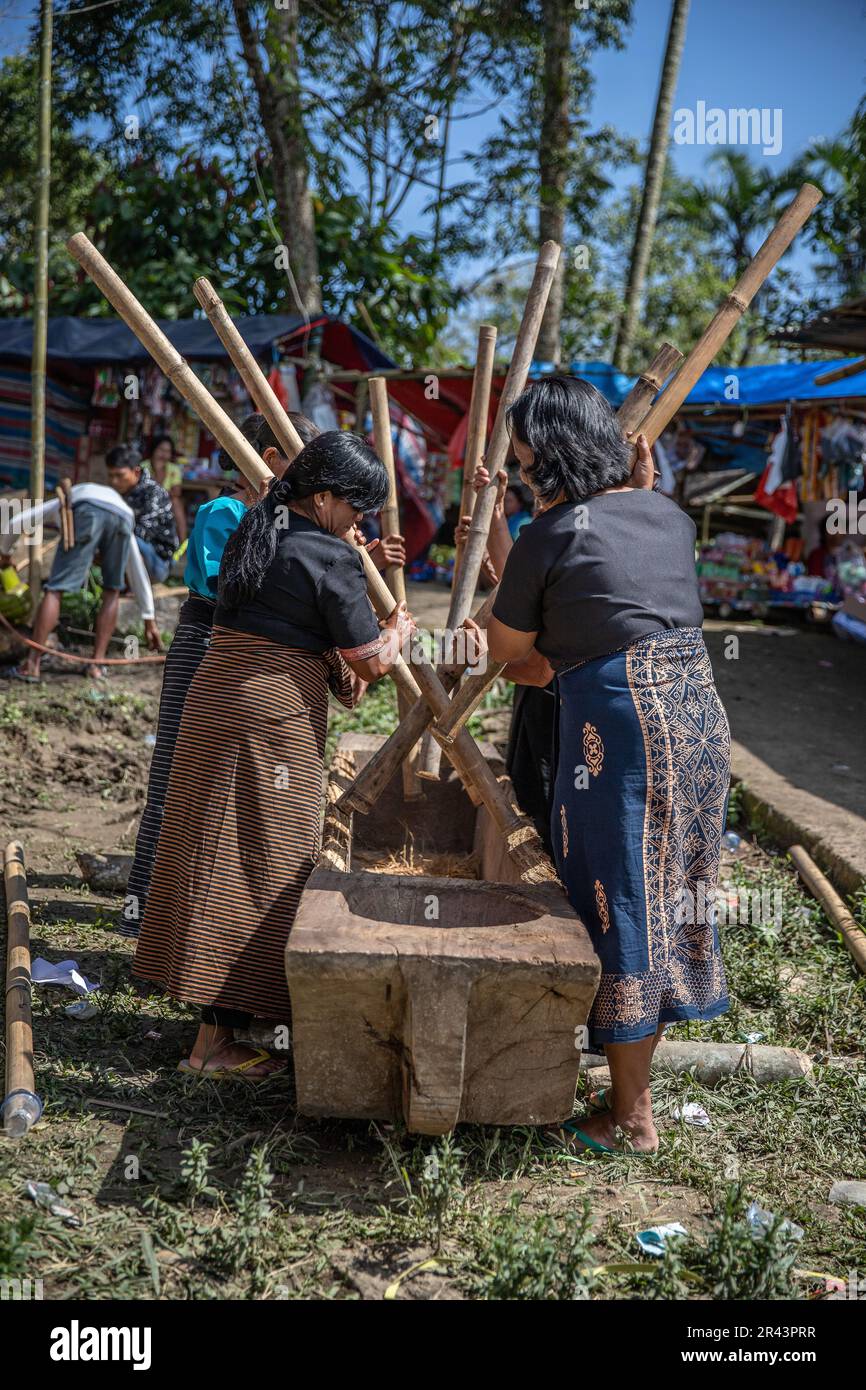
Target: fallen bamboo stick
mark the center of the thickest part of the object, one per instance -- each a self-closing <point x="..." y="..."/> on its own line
<point x="21" y="1106"/>
<point x="476" y="438"/>
<point x="822" y="889"/>
<point x="711" y="1062"/>
<point x="394" y="576"/>
<point x="377" y="772"/>
<point x="630" y="416"/>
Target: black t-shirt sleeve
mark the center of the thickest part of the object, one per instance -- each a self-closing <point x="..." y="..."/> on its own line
<point x="518" y="603"/>
<point x="346" y="612"/>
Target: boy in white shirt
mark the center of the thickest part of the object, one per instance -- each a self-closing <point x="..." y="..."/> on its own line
<point x="103" y="527"/>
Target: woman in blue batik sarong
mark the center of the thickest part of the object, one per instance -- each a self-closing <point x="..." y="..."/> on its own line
<point x="601" y="590"/>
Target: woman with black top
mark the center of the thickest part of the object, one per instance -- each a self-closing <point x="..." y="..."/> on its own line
<point x="601" y="589"/>
<point x="241" y="827"/>
<point x="214" y="523"/>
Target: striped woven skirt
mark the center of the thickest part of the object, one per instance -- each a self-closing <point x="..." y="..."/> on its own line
<point x="186" y="653"/>
<point x="638" y="813"/>
<point x="242" y="823"/>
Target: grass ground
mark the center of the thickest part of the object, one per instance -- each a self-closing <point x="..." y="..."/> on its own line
<point x="188" y="1189"/>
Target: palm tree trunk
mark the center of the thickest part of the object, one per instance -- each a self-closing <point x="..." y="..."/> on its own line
<point x="553" y="162"/>
<point x="278" y="91"/>
<point x="655" y="169"/>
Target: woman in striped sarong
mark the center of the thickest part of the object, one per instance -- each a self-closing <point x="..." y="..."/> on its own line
<point x="601" y="589"/>
<point x="214" y="523"/>
<point x="242" y="823"/>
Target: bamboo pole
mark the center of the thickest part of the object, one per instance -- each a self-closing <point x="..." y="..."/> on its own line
<point x="515" y="380"/>
<point x="377" y="772"/>
<point x="524" y="845"/>
<point x="822" y="889"/>
<point x="466" y="578"/>
<point x="634" y="408"/>
<point x="394" y="576"/>
<point x="840" y="373"/>
<point x="476" y="430"/>
<point x="668" y="403"/>
<point x="374" y="777"/>
<point x="722" y="324"/>
<point x="260" y="390"/>
<point x="21" y="1106"/>
<point x="476" y="438"/>
<point x="40" y="295"/>
<point x="169" y="360"/>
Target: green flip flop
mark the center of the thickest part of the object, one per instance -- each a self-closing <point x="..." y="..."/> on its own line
<point x="597" y="1102"/>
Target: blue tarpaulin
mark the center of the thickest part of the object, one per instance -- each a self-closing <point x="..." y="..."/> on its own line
<point x="781" y="382"/>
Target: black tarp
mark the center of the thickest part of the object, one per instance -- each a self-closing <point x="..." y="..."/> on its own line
<point x="108" y="341"/>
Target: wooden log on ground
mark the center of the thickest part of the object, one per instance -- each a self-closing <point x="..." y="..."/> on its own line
<point x="394" y="576"/>
<point x="476" y="438"/>
<point x="711" y="1063"/>
<point x="630" y="416"/>
<point x="21" y="1105"/>
<point x="822" y="889"/>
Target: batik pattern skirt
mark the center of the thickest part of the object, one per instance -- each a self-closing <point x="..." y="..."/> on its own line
<point x="187" y="651"/>
<point x="640" y="797"/>
<point x="242" y="823"/>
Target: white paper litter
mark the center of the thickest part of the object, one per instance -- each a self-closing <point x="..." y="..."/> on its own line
<point x="693" y="1114"/>
<point x="64" y="972"/>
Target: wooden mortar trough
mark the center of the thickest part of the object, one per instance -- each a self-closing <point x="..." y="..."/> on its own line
<point x="426" y="998"/>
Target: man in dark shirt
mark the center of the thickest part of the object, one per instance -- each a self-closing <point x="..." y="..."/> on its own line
<point x="154" y="519"/>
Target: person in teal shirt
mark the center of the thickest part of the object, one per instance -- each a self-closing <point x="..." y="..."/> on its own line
<point x="214" y="523"/>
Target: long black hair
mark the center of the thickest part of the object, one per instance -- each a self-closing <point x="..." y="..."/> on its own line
<point x="335" y="462"/>
<point x="573" y="433"/>
<point x="256" y="429"/>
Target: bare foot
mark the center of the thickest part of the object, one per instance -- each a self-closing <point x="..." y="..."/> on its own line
<point x="232" y="1054"/>
<point x="603" y="1128"/>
